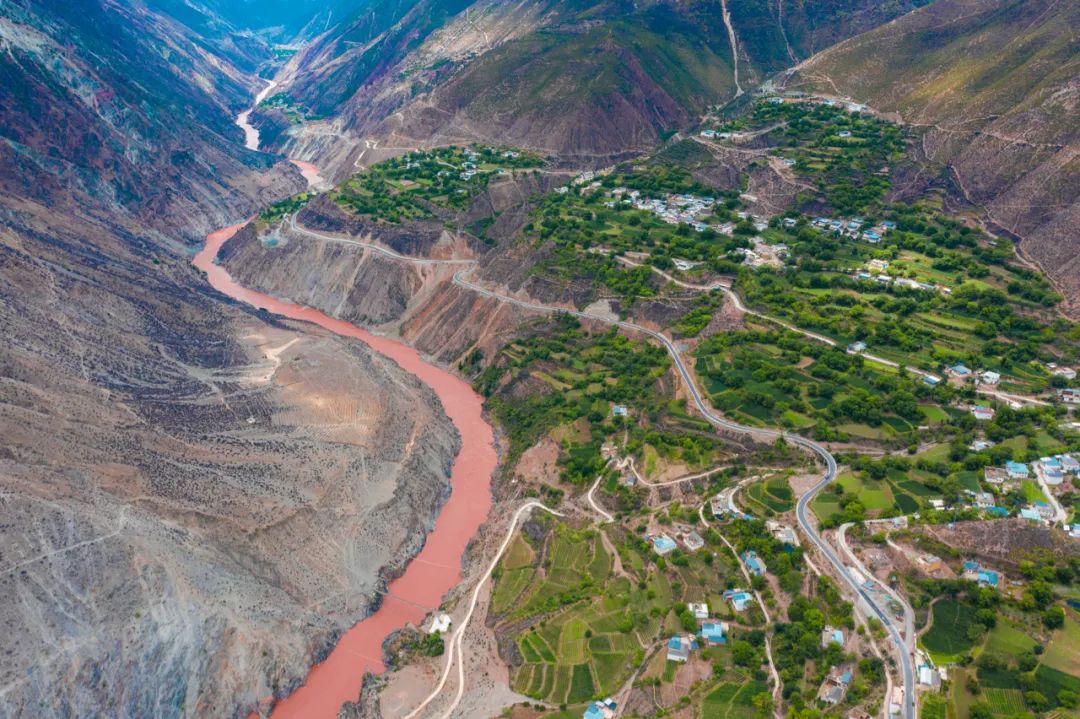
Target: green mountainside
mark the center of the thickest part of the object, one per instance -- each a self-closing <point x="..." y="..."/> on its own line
<point x="993" y="87"/>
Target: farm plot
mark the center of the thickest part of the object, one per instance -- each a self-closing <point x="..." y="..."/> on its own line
<point x="947" y="641"/>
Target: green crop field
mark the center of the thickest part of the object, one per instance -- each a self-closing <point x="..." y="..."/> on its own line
<point x="1063" y="653"/>
<point x="730" y="700"/>
<point x="947" y="639"/>
<point x="1005" y="702"/>
<point x="1006" y="639"/>
<point x="1051" y="682"/>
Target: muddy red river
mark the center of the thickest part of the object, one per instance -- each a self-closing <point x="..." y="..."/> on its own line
<point x="437" y="568"/>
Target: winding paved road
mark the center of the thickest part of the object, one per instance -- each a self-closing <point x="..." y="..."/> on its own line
<point x="760" y="433"/>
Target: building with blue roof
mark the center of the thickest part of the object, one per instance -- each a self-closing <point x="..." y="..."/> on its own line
<point x="754" y="563"/>
<point x="714" y="632"/>
<point x="831" y="635"/>
<point x="738" y="598"/>
<point x="1016" y="470"/>
<point x="1032" y="514"/>
<point x="987" y="578"/>
<point x="601" y="710"/>
<point x="679" y="647"/>
<point x="663" y="544"/>
<point x="996" y="511"/>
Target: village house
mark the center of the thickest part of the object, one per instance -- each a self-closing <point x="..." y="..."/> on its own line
<point x="831" y="635"/>
<point x="663" y="544"/>
<point x="601" y="710"/>
<point x="988" y="377"/>
<point x="739" y="599"/>
<point x="699" y="610"/>
<point x="959" y="371"/>
<point x="440" y="623"/>
<point x="679" y="648"/>
<point x="693" y="541"/>
<point x="1069" y="395"/>
<point x="1016" y="470"/>
<point x="983" y="414"/>
<point x="1049" y="470"/>
<point x="856" y="347"/>
<point x="754" y="563"/>
<point x="973" y="572"/>
<point x="834" y="688"/>
<point x="929" y="677"/>
<point x="713" y="633"/>
<point x="980" y="445"/>
<point x="1031" y="514"/>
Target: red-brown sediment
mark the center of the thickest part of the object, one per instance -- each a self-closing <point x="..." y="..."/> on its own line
<point x="437" y="568"/>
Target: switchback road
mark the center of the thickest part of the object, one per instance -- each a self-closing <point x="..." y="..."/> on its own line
<point x="760" y="433"/>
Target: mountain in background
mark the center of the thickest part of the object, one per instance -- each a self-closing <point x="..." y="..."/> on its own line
<point x="994" y="85"/>
<point x="600" y="78"/>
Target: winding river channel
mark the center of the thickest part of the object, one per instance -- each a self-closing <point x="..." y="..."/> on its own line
<point x="437" y="568"/>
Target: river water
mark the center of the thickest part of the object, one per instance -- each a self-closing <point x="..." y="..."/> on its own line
<point x="437" y="568"/>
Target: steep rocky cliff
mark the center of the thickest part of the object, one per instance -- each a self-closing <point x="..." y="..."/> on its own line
<point x="197" y="499"/>
<point x="995" y="88"/>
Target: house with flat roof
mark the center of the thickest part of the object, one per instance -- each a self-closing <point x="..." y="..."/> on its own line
<point x="714" y="632"/>
<point x="663" y="544"/>
<point x="679" y="647"/>
<point x="989" y="377"/>
<point x="1016" y="470"/>
<point x="693" y="541"/>
<point x="738" y="598"/>
<point x="601" y="710"/>
<point x="1031" y="514"/>
<point x="699" y="610"/>
<point x="831" y="635"/>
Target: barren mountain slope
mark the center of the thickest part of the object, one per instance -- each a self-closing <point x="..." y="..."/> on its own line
<point x="577" y="77"/>
<point x="996" y="85"/>
<point x="196" y="499"/>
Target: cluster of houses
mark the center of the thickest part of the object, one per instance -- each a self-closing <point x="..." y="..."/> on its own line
<point x="763" y="254"/>
<point x="673" y="209"/>
<point x="663" y="544"/>
<point x="984" y="577"/>
<point x="962" y="373"/>
<point x="601" y="710"/>
<point x="1052" y="470"/>
<point x="711" y="632"/>
<point x="855" y="228"/>
<point x="875" y="272"/>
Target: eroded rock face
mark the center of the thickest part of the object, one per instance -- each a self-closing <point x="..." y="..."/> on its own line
<point x="195" y="499"/>
<point x="192" y="496"/>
